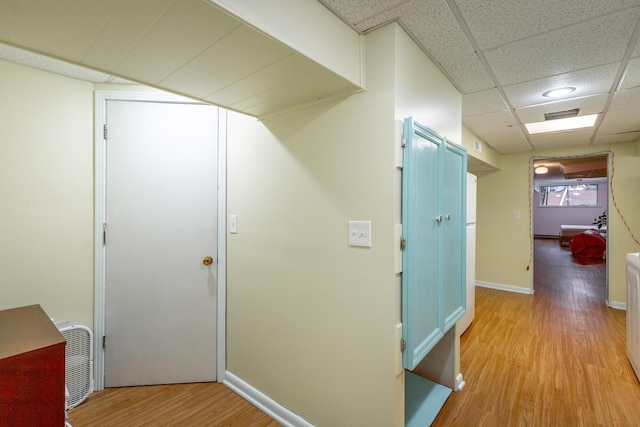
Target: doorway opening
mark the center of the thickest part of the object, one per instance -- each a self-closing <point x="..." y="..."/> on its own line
<point x="569" y="206"/>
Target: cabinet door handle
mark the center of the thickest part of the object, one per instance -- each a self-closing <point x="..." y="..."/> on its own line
<point x="448" y="217"/>
<point x="439" y="218"/>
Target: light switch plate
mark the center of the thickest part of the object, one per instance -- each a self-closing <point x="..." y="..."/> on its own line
<point x="233" y="224"/>
<point x="360" y="233"/>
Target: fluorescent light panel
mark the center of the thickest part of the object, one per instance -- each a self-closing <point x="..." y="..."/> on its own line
<point x="559" y="125"/>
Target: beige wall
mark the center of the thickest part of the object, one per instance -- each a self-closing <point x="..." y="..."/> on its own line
<point x="504" y="247"/>
<point x="46" y="193"/>
<point x="488" y="155"/>
<point x="310" y="319"/>
<point x="424" y="93"/>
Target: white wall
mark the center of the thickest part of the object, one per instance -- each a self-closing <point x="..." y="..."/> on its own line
<point x="46" y="192"/>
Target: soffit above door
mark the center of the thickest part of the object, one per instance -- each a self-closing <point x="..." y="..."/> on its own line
<point x="189" y="47"/>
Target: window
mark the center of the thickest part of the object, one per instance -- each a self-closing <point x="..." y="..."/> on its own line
<point x="582" y="195"/>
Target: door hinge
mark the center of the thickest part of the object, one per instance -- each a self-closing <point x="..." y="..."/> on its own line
<point x="104" y="342"/>
<point x="403" y="141"/>
<point x="104" y="233"/>
<point x="104" y="132"/>
<point x="403" y="244"/>
<point x="403" y="344"/>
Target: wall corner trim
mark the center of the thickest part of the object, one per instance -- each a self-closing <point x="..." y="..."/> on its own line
<point x="267" y="405"/>
<point x="501" y="287"/>
<point x="617" y="305"/>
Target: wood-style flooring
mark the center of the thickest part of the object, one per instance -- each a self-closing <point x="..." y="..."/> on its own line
<point x="556" y="358"/>
<point x="184" y="405"/>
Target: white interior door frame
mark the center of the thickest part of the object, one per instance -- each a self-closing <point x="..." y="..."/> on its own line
<point x="532" y="176"/>
<point x="100" y="182"/>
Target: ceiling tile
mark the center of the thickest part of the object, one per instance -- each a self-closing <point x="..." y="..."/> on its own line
<point x="187" y="29"/>
<point x="620" y="137"/>
<point x="207" y="73"/>
<point x="587" y="105"/>
<point x="596" y="42"/>
<point x="506" y="140"/>
<point x="587" y="82"/>
<point x="356" y="11"/>
<point x="431" y="23"/>
<point x="558" y="140"/>
<point x="632" y="77"/>
<point x="626" y="99"/>
<point x="468" y="73"/>
<point x="435" y="27"/>
<point x="498" y="22"/>
<point x="391" y="13"/>
<point x="480" y="122"/>
<point x="488" y="101"/>
<point x="621" y="121"/>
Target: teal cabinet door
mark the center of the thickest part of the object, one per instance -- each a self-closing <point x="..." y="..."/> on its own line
<point x="420" y="178"/>
<point x="454" y="234"/>
<point x="433" y="221"/>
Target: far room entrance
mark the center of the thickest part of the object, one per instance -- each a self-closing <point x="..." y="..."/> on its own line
<point x="569" y="210"/>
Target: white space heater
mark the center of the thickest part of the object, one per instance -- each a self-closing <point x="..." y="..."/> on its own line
<point x="78" y="361"/>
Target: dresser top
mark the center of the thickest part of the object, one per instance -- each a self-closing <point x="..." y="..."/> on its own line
<point x="26" y="329"/>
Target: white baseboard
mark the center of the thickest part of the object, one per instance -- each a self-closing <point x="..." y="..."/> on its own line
<point x="501" y="287"/>
<point x="617" y="305"/>
<point x="263" y="402"/>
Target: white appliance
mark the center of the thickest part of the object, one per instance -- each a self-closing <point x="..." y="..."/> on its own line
<point x="633" y="311"/>
<point x="78" y="361"/>
<point x="472" y="188"/>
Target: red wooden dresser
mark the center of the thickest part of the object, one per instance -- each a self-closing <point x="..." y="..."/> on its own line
<point x="32" y="357"/>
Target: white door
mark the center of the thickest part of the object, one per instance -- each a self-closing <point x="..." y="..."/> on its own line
<point x="160" y="303"/>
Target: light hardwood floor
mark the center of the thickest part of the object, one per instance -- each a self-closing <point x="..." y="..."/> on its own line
<point x="556" y="358"/>
<point x="200" y="404"/>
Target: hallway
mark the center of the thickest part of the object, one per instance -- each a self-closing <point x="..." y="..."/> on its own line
<point x="556" y="358"/>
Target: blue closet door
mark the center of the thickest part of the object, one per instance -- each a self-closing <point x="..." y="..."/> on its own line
<point x="453" y="249"/>
<point x="420" y="290"/>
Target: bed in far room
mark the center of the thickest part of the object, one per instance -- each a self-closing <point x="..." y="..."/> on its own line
<point x="567" y="232"/>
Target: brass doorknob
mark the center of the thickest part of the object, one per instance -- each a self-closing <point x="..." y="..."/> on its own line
<point x="207" y="260"/>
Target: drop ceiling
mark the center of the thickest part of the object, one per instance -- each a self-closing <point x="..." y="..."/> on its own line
<point x="500" y="54"/>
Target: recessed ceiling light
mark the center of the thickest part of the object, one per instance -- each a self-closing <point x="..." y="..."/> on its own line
<point x="562" y="124"/>
<point x="555" y="93"/>
<point x="541" y="170"/>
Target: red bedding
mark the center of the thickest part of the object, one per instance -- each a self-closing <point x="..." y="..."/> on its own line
<point x="589" y="244"/>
